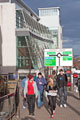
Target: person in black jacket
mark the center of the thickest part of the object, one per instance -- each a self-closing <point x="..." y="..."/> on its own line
<point x="79" y="85"/>
<point x="62" y="87"/>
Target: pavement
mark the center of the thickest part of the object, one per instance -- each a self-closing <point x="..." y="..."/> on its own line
<point x="72" y="112"/>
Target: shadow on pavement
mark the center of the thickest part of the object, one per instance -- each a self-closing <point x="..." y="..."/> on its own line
<point x="46" y="104"/>
<point x="72" y="108"/>
<point x="28" y="118"/>
<point x="72" y="95"/>
<point x="58" y="102"/>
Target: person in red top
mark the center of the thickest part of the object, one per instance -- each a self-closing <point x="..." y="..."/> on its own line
<point x="32" y="93"/>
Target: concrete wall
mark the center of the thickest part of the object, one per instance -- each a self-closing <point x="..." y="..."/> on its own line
<point x="4" y="1"/>
<point x="60" y="37"/>
<point x="50" y="21"/>
<point x="8" y="26"/>
<point x="0" y="48"/>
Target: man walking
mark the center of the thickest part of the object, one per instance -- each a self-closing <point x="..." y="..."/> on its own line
<point x="62" y="87"/>
<point x="40" y="84"/>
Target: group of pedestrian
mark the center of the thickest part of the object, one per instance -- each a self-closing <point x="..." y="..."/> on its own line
<point x="57" y="84"/>
<point x="34" y="88"/>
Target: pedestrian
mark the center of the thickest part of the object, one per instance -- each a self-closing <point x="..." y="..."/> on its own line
<point x="32" y="92"/>
<point x="23" y="85"/>
<point x="53" y="76"/>
<point x="79" y="85"/>
<point x="52" y="94"/>
<point x="40" y="84"/>
<point x="34" y="76"/>
<point x="62" y="87"/>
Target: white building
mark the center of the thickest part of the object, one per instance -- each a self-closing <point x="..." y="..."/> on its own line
<point x="22" y="38"/>
<point x="50" y="17"/>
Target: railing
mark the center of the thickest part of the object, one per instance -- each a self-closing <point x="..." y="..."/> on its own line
<point x="9" y="104"/>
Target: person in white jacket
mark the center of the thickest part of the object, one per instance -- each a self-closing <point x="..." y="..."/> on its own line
<point x="31" y="91"/>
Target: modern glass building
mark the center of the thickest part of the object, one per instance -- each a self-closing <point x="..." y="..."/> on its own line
<point x="23" y="39"/>
<point x="52" y="14"/>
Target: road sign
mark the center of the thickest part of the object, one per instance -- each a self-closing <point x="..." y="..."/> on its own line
<point x="58" y="57"/>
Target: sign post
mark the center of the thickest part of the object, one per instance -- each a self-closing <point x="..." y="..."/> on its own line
<point x="58" y="57"/>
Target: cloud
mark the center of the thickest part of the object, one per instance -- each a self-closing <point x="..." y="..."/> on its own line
<point x="67" y="40"/>
<point x="69" y="12"/>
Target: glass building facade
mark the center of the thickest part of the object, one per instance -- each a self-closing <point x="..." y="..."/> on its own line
<point x="30" y="48"/>
<point x="25" y="39"/>
<point x="50" y="17"/>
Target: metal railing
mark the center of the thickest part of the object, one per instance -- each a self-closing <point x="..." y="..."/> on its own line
<point x="9" y="104"/>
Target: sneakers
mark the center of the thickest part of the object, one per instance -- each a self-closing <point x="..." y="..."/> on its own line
<point x="29" y="113"/>
<point x="33" y="114"/>
<point x="24" y="107"/>
<point x="61" y="106"/>
<point x="65" y="105"/>
<point x="53" y="113"/>
<point x="52" y="116"/>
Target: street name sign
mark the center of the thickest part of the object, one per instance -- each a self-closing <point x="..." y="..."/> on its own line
<point x="58" y="57"/>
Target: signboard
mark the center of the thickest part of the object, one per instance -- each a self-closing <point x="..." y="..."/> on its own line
<point x="58" y="57"/>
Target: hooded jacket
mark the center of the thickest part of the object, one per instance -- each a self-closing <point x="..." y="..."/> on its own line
<point x="40" y="86"/>
<point x="61" y="80"/>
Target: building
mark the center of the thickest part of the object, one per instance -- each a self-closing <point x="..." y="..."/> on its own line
<point x="50" y="17"/>
<point x="22" y="38"/>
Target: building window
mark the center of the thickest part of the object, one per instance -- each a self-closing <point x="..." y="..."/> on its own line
<point x="23" y="59"/>
<point x="48" y="12"/>
<point x="20" y="23"/>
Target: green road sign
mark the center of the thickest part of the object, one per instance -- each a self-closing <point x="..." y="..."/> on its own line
<point x="58" y="57"/>
<point x="50" y="61"/>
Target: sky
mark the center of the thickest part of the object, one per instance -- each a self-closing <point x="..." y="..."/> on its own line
<point x="70" y="19"/>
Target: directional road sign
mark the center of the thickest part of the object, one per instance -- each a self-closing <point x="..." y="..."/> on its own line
<point x="58" y="57"/>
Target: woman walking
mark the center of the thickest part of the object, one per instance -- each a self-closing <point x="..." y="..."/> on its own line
<point x="31" y="91"/>
<point x="52" y="94"/>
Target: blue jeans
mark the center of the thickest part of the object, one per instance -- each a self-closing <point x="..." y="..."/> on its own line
<point x="61" y="92"/>
<point x="40" y="98"/>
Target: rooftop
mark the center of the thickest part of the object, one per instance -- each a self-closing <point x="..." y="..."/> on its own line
<point x="49" y="8"/>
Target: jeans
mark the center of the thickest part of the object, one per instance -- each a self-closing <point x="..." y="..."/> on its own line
<point x="52" y="103"/>
<point x="40" y="98"/>
<point x="79" y="93"/>
<point x="31" y="103"/>
<point x="24" y="99"/>
<point x="61" y="92"/>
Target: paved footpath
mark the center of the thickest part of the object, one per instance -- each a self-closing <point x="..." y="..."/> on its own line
<point x="72" y="112"/>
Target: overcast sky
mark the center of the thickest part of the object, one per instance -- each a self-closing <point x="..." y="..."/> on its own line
<point x="70" y="19"/>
